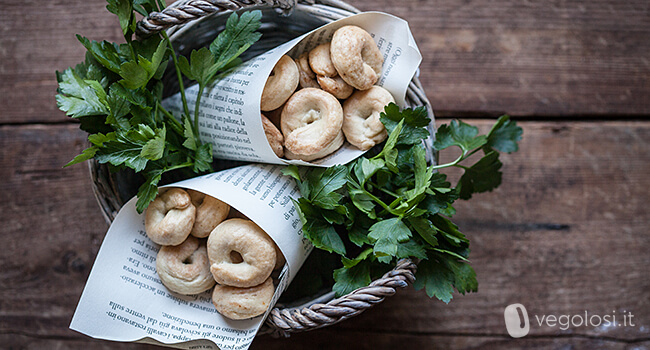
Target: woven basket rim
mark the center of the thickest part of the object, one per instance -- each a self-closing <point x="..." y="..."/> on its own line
<point x="324" y="310"/>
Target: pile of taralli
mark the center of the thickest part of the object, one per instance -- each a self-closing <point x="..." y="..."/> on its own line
<point x="312" y="104"/>
<point x="238" y="258"/>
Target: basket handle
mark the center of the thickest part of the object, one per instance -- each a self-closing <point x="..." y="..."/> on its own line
<point x="286" y="321"/>
<point x="190" y="10"/>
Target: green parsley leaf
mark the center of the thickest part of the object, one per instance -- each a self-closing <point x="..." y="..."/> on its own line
<point x="324" y="182"/>
<point x="389" y="152"/>
<point x="118" y="107"/>
<point x="448" y="230"/>
<point x="358" y="235"/>
<point x="239" y="35"/>
<point x="464" y="276"/>
<point x="124" y="11"/>
<point x="460" y="134"/>
<point x="201" y="66"/>
<point x="203" y="158"/>
<point x="149" y="189"/>
<point x="190" y="139"/>
<point x="137" y="73"/>
<point x="414" y="127"/>
<point x="85" y="155"/>
<point x="349" y="279"/>
<point x="80" y="98"/>
<point x="436" y="279"/>
<point x="504" y="135"/>
<point x="481" y="177"/>
<point x="362" y="201"/>
<point x="348" y="263"/>
<point x="365" y="168"/>
<point x="134" y="75"/>
<point x="323" y="235"/>
<point x="106" y="53"/>
<point x="292" y="170"/>
<point x="386" y="234"/>
<point x="144" y="7"/>
<point x="155" y="147"/>
<point x="425" y="229"/>
<point x="410" y="249"/>
<point x="128" y="148"/>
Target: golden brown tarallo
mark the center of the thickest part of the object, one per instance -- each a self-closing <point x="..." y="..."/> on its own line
<point x="356" y="57"/>
<point x="361" y="124"/>
<point x="242" y="303"/>
<point x="170" y="217"/>
<point x="185" y="268"/>
<point x="210" y="212"/>
<point x="282" y="82"/>
<point x="311" y="120"/>
<point x="241" y="253"/>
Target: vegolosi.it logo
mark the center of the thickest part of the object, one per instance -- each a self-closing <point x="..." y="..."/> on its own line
<point x="518" y="323"/>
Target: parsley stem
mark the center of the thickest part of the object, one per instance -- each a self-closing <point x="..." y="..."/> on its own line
<point x="161" y="5"/>
<point x="179" y="166"/>
<point x="379" y="201"/>
<point x="196" y="113"/>
<point x="178" y="74"/>
<point x="170" y="117"/>
<point x="447" y="165"/>
<point x="472" y="152"/>
<point x="383" y="190"/>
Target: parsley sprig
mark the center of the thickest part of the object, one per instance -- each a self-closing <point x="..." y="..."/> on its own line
<point x="116" y="94"/>
<point x="395" y="205"/>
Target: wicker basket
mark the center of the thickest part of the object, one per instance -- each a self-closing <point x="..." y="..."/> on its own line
<point x="194" y="24"/>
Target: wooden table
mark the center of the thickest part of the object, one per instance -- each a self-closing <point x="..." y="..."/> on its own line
<point x="566" y="233"/>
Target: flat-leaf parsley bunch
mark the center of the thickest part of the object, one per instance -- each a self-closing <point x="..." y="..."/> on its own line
<point x="116" y="94"/>
<point x="395" y="205"/>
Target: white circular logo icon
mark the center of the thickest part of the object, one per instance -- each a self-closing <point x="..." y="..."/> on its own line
<point x="517" y="322"/>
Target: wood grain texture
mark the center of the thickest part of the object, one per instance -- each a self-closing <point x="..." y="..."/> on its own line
<point x="531" y="58"/>
<point x="37" y="39"/>
<point x="567" y="232"/>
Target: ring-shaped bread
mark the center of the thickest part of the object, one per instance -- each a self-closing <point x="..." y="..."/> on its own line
<point x="325" y="151"/>
<point x="243" y="303"/>
<point x="185" y="268"/>
<point x="307" y="78"/>
<point x="273" y="136"/>
<point x="282" y="82"/>
<point x="361" y="124"/>
<point x="320" y="61"/>
<point x="311" y="119"/>
<point x="356" y="57"/>
<point x="335" y="86"/>
<point x="279" y="258"/>
<point x="210" y="212"/>
<point x="169" y="217"/>
<point x="241" y="253"/>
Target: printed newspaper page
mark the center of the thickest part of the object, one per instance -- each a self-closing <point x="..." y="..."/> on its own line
<point x="229" y="114"/>
<point x="124" y="300"/>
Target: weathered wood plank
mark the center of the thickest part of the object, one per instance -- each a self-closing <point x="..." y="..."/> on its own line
<point x="38" y="38"/>
<point x="551" y="58"/>
<point x="564" y="234"/>
<point x="534" y="58"/>
<point x="51" y="229"/>
<point x="334" y="338"/>
<point x="339" y="339"/>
